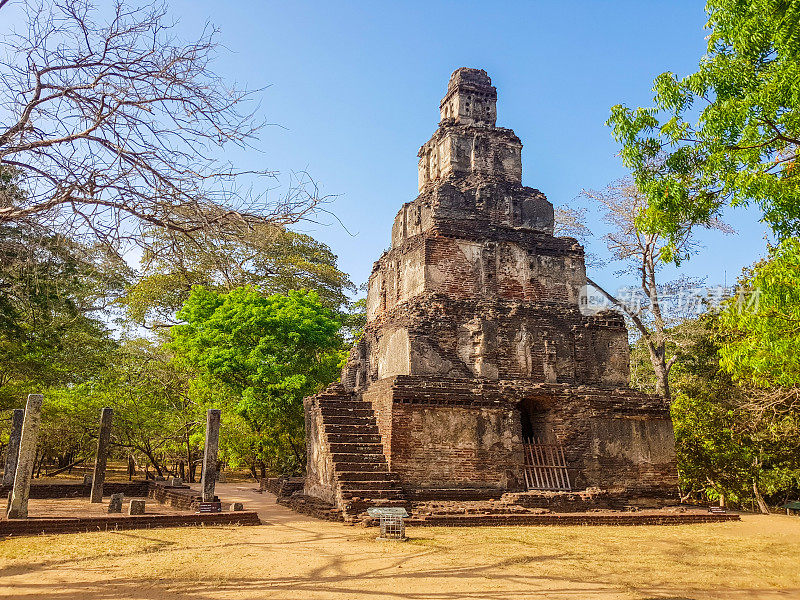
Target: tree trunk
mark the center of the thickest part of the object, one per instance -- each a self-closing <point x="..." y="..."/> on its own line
<point x="762" y="506"/>
<point x="67" y="467"/>
<point x="189" y="461"/>
<point x="192" y="471"/>
<point x="654" y="340"/>
<point x="39" y="467"/>
<point x="662" y="377"/>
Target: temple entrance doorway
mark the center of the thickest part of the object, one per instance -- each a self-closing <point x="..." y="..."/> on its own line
<point x="545" y="466"/>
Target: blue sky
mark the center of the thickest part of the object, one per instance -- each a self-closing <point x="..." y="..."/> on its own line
<point x="354" y="90"/>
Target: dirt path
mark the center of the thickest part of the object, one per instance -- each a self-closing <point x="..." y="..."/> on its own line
<point x="292" y="556"/>
<point x="268" y="510"/>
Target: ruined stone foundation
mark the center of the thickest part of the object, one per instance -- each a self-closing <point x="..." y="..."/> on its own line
<point x="477" y="361"/>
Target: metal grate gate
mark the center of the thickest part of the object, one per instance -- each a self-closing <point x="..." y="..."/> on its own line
<point x="545" y="466"/>
<point x="391" y="522"/>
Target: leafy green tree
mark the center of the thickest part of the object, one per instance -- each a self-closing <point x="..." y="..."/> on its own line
<point x="727" y="442"/>
<point x="271" y="257"/>
<point x="762" y="347"/>
<point x="55" y="298"/>
<point x="155" y="423"/>
<point x="259" y="356"/>
<point x="713" y="461"/>
<point x="759" y="347"/>
<point x="726" y="134"/>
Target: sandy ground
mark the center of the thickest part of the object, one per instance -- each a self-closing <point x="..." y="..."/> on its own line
<point x="292" y="556"/>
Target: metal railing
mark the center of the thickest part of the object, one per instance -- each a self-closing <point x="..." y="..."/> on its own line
<point x="545" y="466"/>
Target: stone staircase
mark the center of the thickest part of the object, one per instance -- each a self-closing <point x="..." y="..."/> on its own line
<point x="361" y="472"/>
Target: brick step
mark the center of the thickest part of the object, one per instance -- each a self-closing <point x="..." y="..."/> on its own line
<point x="351" y="428"/>
<point x="343" y="403"/>
<point x="347" y="412"/>
<point x="354" y="438"/>
<point x="570" y="519"/>
<point x="349" y="420"/>
<point x="324" y="398"/>
<point x="350" y="447"/>
<point x="383" y="502"/>
<point x="379" y="484"/>
<point x="358" y="458"/>
<point x="361" y="476"/>
<point x="376" y="466"/>
<point x="345" y="406"/>
<point x="387" y="494"/>
<point x="360" y="506"/>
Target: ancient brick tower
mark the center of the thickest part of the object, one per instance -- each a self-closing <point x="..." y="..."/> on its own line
<point x="476" y="363"/>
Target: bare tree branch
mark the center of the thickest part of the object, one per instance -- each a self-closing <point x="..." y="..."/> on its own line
<point x="115" y="126"/>
<point x="621" y="204"/>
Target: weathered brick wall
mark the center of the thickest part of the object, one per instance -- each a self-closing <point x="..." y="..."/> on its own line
<point x="78" y="489"/>
<point x="612" y="438"/>
<point x="182" y="498"/>
<point x="444" y="446"/>
<point x="450" y="433"/>
<point x="491" y="338"/>
<point x="283" y="486"/>
<point x="470" y="99"/>
<point x="319" y="480"/>
<point x="16" y="527"/>
<point x="470" y="150"/>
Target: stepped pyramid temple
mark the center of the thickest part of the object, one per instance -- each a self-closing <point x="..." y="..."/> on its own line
<point x="477" y="374"/>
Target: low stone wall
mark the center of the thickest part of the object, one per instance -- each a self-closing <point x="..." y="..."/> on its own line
<point x="579" y="501"/>
<point x="271" y="485"/>
<point x="466" y="494"/>
<point x="34" y="526"/>
<point x="43" y="491"/>
<point x="313" y="507"/>
<point x="183" y="498"/>
<point x="283" y="486"/>
<point x="568" y="519"/>
<point x="593" y="498"/>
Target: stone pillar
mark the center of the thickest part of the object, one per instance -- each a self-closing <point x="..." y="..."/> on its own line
<point x="13" y="447"/>
<point x="18" y="505"/>
<point x="209" y="476"/>
<point x="115" y="505"/>
<point x="101" y="458"/>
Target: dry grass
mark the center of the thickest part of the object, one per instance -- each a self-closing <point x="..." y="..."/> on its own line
<point x="758" y="558"/>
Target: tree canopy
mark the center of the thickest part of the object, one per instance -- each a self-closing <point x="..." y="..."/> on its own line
<point x="271" y="257"/>
<point x="260" y="356"/>
<point x="726" y="134"/>
<point x="55" y="304"/>
<point x="116" y="125"/>
<point x="762" y="347"/>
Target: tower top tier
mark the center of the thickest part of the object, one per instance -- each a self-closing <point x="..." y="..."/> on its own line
<point x="471" y="99"/>
<point x="467" y="142"/>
